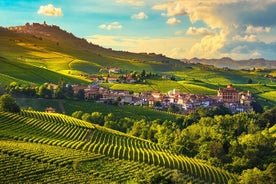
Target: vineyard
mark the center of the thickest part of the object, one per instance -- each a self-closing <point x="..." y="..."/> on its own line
<point x="55" y="148"/>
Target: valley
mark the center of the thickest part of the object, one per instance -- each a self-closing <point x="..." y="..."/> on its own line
<point x="122" y="117"/>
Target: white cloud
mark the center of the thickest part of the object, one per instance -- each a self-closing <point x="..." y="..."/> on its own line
<point x="140" y="16"/>
<point x="173" y="8"/>
<point x="173" y="21"/>
<point x="246" y="38"/>
<point x="256" y="54"/>
<point x="227" y="17"/>
<point x="113" y="25"/>
<point x="208" y="47"/>
<point x="49" y="10"/>
<point x="255" y="30"/>
<point x="199" y="31"/>
<point x="131" y="2"/>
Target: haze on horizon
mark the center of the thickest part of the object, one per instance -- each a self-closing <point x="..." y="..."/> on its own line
<point x="239" y="29"/>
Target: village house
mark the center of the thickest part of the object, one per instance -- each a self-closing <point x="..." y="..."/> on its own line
<point x="50" y="110"/>
<point x="112" y="79"/>
<point x="91" y="92"/>
<point x="130" y="79"/>
<point x="76" y="88"/>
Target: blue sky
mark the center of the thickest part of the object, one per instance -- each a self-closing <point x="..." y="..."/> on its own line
<point x="240" y="29"/>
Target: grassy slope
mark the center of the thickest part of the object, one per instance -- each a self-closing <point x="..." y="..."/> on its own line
<point x="133" y="112"/>
<point x="75" y="54"/>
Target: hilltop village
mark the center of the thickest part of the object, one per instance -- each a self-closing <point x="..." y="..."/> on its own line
<point x="237" y="101"/>
<point x="173" y="101"/>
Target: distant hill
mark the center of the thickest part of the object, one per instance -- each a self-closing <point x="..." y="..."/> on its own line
<point x="236" y="64"/>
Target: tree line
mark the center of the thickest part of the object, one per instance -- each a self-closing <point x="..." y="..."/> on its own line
<point x="46" y="90"/>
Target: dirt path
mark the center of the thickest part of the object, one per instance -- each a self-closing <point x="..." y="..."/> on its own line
<point x="61" y="106"/>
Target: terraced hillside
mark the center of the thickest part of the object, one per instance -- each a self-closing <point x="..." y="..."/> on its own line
<point x="62" y="149"/>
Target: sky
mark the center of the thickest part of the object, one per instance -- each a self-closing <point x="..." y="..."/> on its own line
<point x="240" y="29"/>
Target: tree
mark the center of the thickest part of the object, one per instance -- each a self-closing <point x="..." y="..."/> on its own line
<point x="256" y="176"/>
<point x="44" y="92"/>
<point x="86" y="117"/>
<point x="97" y="117"/>
<point x="143" y="73"/>
<point x="81" y="94"/>
<point x="257" y="107"/>
<point x="8" y="104"/>
<point x="77" y="114"/>
<point x="269" y="117"/>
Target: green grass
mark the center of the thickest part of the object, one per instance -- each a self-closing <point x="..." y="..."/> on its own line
<point x="137" y="88"/>
<point x="38" y="104"/>
<point x="221" y="77"/>
<point x="134" y="112"/>
<point x="271" y="95"/>
<point x="164" y="86"/>
<point x="6" y="80"/>
<point x="32" y="74"/>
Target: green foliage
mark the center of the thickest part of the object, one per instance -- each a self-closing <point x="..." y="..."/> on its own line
<point x="256" y="176"/>
<point x="8" y="104"/>
<point x="268" y="118"/>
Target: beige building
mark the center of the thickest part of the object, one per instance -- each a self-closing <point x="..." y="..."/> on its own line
<point x="229" y="94"/>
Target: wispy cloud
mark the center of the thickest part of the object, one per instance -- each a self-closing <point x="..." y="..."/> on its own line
<point x="245" y="38"/>
<point x="113" y="25"/>
<point x="140" y="16"/>
<point x="173" y="21"/>
<point x="131" y="2"/>
<point x="259" y="29"/>
<point x="199" y="31"/>
<point x="49" y="10"/>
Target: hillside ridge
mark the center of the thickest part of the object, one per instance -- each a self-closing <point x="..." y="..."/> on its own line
<point x="259" y="63"/>
<point x="56" y="34"/>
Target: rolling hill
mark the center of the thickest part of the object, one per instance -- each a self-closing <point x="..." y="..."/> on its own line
<point x="38" y="53"/>
<point x="235" y="64"/>
<point x="48" y="48"/>
<point x="63" y="149"/>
